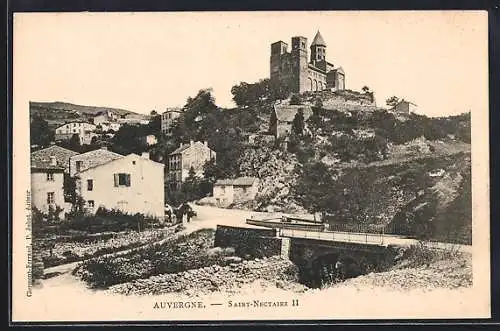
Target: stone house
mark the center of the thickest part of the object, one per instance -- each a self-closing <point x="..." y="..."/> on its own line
<point x="84" y="161"/>
<point x="47" y="184"/>
<point x="229" y="191"/>
<point x="168" y="118"/>
<point x="280" y="124"/>
<point x="132" y="184"/>
<point x="180" y="161"/>
<point x="404" y="107"/>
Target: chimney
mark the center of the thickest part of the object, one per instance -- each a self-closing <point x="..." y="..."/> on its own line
<point x="145" y="155"/>
<point x="53" y="161"/>
<point x="104" y="147"/>
<point x="205" y="143"/>
<point x="191" y="142"/>
<point x="180" y="144"/>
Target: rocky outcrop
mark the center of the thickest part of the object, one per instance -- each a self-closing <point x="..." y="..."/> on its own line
<point x="277" y="172"/>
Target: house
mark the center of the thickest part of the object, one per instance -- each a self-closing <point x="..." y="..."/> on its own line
<point x="148" y="140"/>
<point x="91" y="159"/>
<point x="61" y="155"/>
<point x="107" y="126"/>
<point x="229" y="191"/>
<point x="105" y="117"/>
<point x="168" y="118"/>
<point x="405" y="107"/>
<point x="47" y="184"/>
<point x="132" y="119"/>
<point x="132" y="184"/>
<point x="84" y="130"/>
<point x="193" y="155"/>
<point x="282" y="117"/>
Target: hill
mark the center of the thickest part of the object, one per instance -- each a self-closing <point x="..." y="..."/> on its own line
<point x="359" y="164"/>
<point x="56" y="113"/>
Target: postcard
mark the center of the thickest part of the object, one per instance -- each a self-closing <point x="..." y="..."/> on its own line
<point x="250" y="166"/>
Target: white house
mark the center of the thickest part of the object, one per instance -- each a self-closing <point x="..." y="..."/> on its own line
<point x="192" y="155"/>
<point x="84" y="130"/>
<point x="229" y="191"/>
<point x="104" y="117"/>
<point x="149" y="140"/>
<point x="131" y="184"/>
<point x="47" y="185"/>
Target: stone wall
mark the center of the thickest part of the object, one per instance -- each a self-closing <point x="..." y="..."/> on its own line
<point x="256" y="243"/>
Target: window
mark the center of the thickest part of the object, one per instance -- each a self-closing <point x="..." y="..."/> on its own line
<point x="78" y="165"/>
<point x="122" y="179"/>
<point x="50" y="176"/>
<point x="91" y="203"/>
<point x="90" y="184"/>
<point x="50" y="198"/>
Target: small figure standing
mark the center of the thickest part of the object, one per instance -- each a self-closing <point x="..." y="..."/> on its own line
<point x="339" y="270"/>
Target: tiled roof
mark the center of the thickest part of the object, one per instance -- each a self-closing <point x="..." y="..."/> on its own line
<point x="184" y="147"/>
<point x="131" y="155"/>
<point x="240" y="181"/>
<point x="180" y="149"/>
<point x="318" y="40"/>
<point x="286" y="113"/>
<point x="96" y="158"/>
<point x="41" y="158"/>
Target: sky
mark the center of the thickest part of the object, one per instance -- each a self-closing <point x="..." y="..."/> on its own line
<point x="145" y="61"/>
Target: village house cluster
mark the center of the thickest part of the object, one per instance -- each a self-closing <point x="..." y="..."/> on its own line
<point x="103" y="123"/>
<point x="129" y="183"/>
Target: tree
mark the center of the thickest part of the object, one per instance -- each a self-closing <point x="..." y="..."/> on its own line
<point x="298" y="123"/>
<point x="392" y="101"/>
<point x="153" y="113"/>
<point x="40" y="133"/>
<point x="74" y="142"/>
<point x="295" y="99"/>
<point x="316" y="188"/>
<point x="365" y="89"/>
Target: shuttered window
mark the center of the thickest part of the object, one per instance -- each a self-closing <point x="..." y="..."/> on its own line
<point x="122" y="179"/>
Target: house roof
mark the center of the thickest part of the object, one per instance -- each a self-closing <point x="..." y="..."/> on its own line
<point x="240" y="181"/>
<point x="130" y="156"/>
<point x="318" y="40"/>
<point x="286" y="113"/>
<point x="184" y="147"/>
<point x="41" y="159"/>
<point x="180" y="149"/>
<point x="95" y="158"/>
<point x="406" y="101"/>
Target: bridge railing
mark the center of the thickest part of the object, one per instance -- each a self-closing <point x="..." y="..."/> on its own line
<point x="352" y="237"/>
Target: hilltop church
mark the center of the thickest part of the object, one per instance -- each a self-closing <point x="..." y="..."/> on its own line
<point x="293" y="69"/>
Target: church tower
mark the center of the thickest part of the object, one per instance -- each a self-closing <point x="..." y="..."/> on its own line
<point x="299" y="64"/>
<point x="318" y="49"/>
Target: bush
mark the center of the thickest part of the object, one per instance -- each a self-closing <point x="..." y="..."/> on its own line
<point x="181" y="254"/>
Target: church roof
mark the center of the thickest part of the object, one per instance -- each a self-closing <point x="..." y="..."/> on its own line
<point x="318" y="40"/>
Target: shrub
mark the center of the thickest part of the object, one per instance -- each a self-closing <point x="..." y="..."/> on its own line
<point x="181" y="254"/>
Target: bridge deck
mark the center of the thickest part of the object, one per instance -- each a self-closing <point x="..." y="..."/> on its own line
<point x="368" y="239"/>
